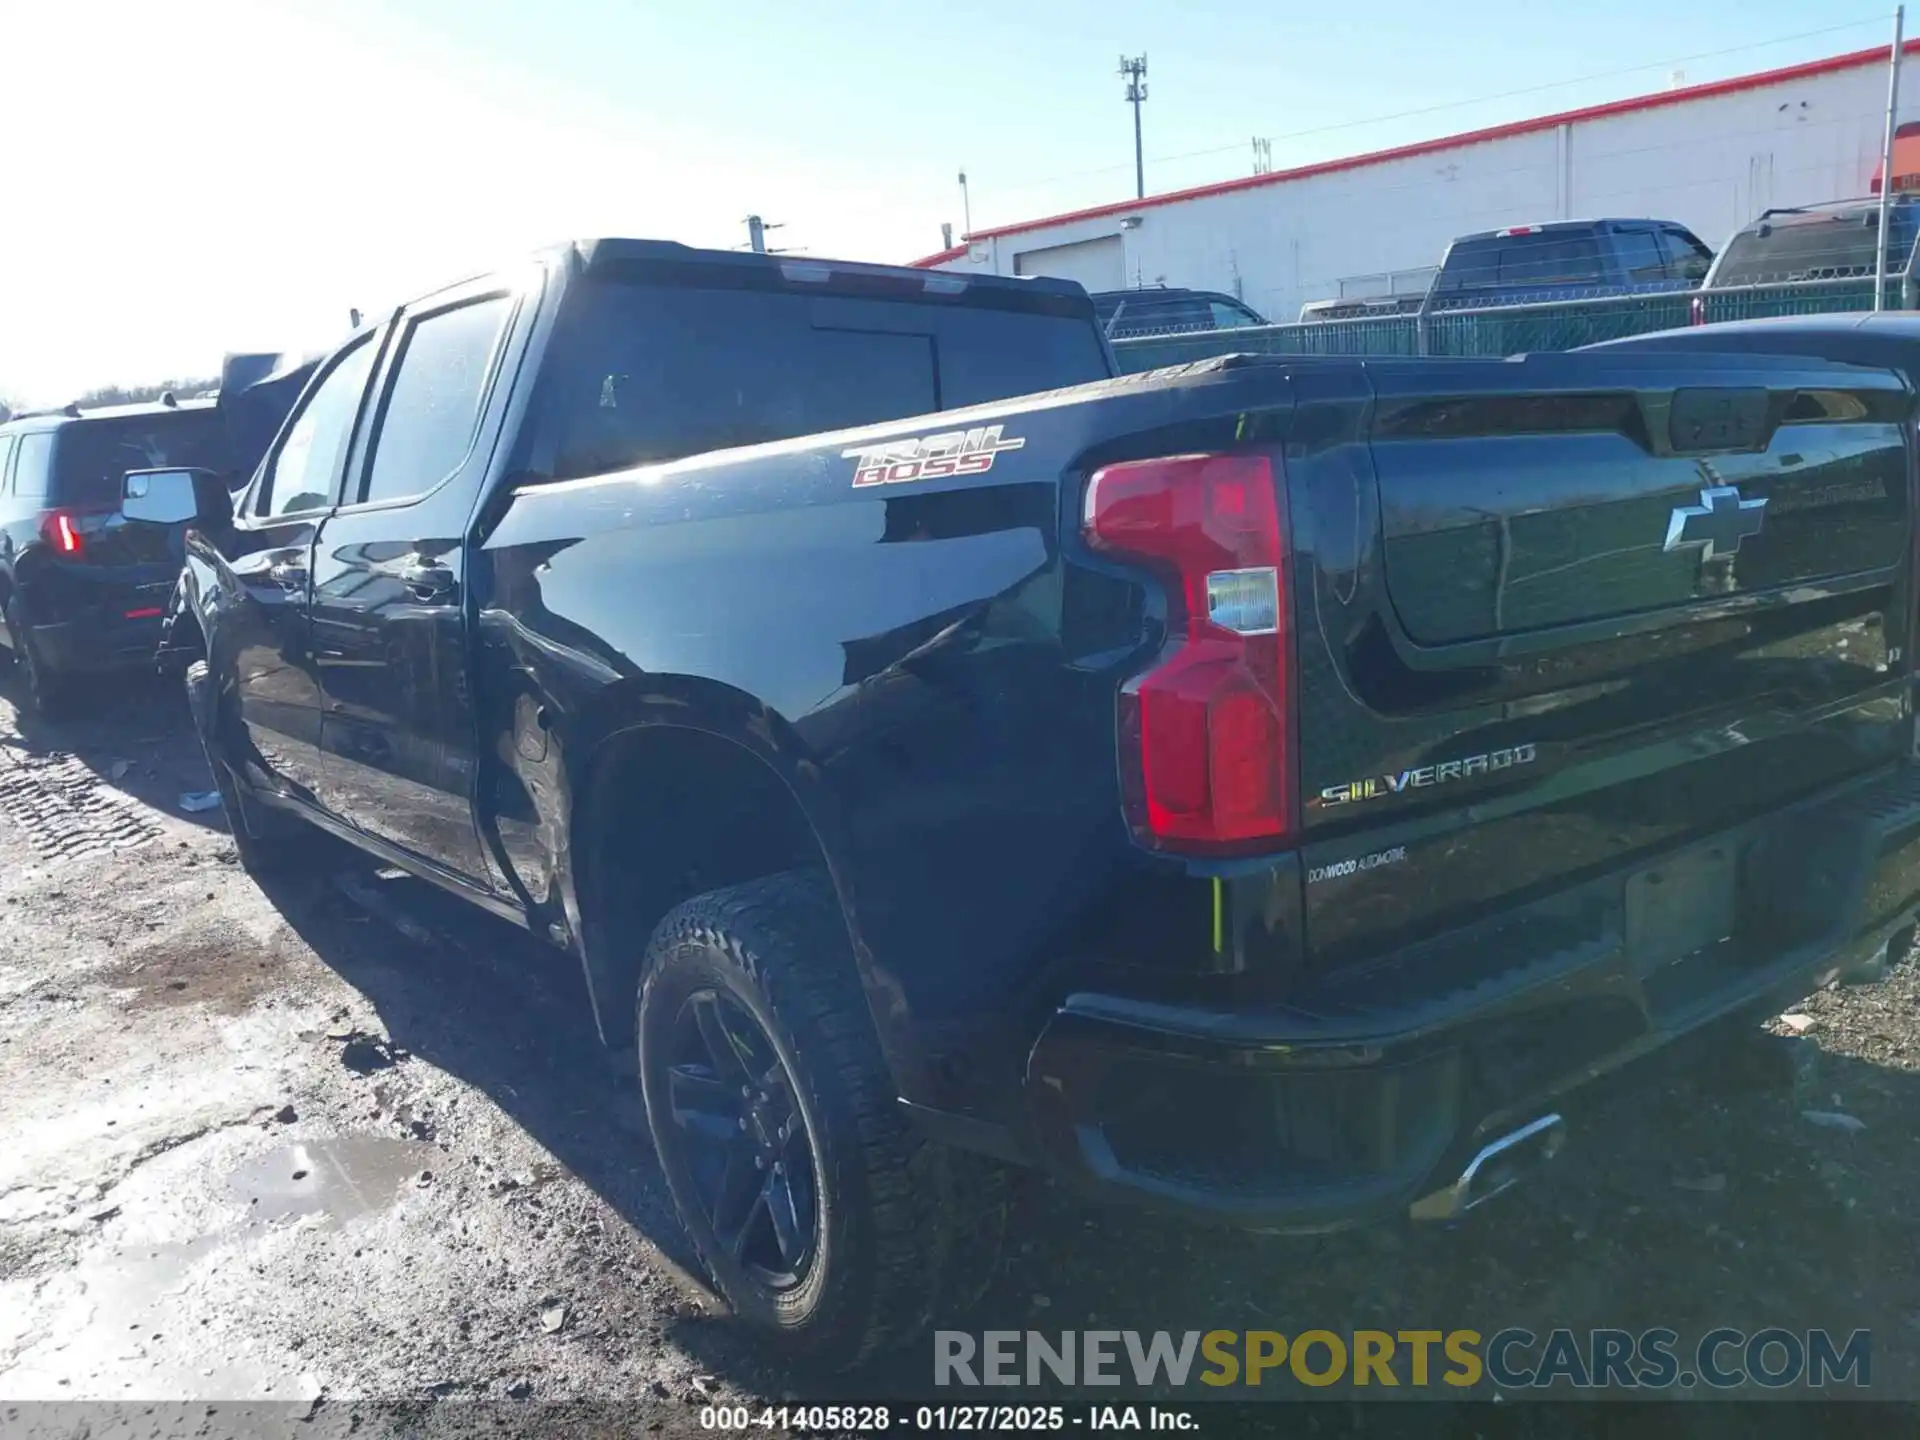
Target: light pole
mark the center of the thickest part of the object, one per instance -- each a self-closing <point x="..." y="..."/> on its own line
<point x="1886" y="160"/>
<point x="1134" y="71"/>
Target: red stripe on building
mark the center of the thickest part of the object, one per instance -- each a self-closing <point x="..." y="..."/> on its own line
<point x="1633" y="105"/>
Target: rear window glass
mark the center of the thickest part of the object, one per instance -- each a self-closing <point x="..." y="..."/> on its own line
<point x="1551" y="258"/>
<point x="1816" y="247"/>
<point x="90" y="457"/>
<point x="641" y="374"/>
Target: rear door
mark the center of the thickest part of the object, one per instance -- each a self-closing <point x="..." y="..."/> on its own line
<point x="1619" y="601"/>
<point x="264" y="633"/>
<point x="389" y="587"/>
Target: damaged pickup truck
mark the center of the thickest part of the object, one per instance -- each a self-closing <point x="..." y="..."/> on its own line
<point x="1260" y="789"/>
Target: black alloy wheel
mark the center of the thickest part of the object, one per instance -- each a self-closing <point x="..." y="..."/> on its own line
<point x="745" y="1139"/>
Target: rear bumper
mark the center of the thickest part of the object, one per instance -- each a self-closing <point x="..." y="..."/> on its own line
<point x="1351" y="1103"/>
<point x="96" y="646"/>
<point x="80" y="621"/>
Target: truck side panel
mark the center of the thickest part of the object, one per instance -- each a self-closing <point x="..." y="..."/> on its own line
<point x="933" y="682"/>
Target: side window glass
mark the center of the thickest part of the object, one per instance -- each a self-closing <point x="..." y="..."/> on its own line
<point x="31" y="465"/>
<point x="1228" y="317"/>
<point x="302" y="473"/>
<point x="6" y="454"/>
<point x="1687" y="259"/>
<point x="1640" y="256"/>
<point x="433" y="408"/>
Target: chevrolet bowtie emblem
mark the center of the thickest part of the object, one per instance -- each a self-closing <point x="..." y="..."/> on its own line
<point x="1717" y="524"/>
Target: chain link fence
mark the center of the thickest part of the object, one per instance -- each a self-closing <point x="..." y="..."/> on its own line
<point x="1514" y="329"/>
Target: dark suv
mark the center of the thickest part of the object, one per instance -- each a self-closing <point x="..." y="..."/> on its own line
<point x="83" y="590"/>
<point x="1167" y="310"/>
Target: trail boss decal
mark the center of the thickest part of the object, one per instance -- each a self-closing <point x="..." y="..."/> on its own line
<point x="1445" y="773"/>
<point x="956" y="452"/>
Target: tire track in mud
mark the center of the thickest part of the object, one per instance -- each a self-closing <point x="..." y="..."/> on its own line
<point x="65" y="810"/>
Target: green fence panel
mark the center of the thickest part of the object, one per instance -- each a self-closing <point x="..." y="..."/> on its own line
<point x="1516" y="329"/>
<point x="1814" y="298"/>
<point x="1513" y="329"/>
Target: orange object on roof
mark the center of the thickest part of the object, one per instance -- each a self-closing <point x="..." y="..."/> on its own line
<point x="1906" y="160"/>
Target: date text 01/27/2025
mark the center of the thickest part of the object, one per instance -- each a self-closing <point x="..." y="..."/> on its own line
<point x="944" y="1419"/>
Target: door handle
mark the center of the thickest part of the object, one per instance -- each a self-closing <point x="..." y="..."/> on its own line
<point x="288" y="574"/>
<point x="427" y="582"/>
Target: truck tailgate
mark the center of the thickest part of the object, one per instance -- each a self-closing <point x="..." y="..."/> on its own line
<point x="1609" y="605"/>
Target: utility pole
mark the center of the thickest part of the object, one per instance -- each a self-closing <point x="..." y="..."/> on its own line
<point x="966" y="208"/>
<point x="757" y="235"/>
<point x="1886" y="160"/>
<point x="1134" y="72"/>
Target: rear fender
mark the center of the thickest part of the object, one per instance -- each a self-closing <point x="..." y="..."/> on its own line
<point x="580" y="739"/>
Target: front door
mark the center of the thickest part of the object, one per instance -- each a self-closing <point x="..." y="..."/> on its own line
<point x="269" y="564"/>
<point x="389" y="612"/>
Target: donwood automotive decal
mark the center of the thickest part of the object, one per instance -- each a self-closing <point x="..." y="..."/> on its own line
<point x="954" y="452"/>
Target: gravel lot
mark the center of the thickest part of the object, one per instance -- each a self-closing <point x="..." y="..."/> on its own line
<point x="351" y="1143"/>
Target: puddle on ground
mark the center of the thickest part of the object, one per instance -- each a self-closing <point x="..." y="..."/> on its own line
<point x="130" y="1327"/>
<point x="340" y="1179"/>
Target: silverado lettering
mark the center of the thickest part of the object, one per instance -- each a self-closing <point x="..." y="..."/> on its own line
<point x="1425" y="775"/>
<point x="877" y="853"/>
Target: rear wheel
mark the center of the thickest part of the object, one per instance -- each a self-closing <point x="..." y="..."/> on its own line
<point x="43" y="689"/>
<point x="266" y="841"/>
<point x="820" y="1212"/>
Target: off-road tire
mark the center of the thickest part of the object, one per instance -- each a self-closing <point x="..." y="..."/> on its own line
<point x="904" y="1227"/>
<point x="266" y="841"/>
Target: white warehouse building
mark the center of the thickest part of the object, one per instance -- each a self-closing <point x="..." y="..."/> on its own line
<point x="1711" y="157"/>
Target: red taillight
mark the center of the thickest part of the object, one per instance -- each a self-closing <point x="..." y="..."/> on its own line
<point x="58" y="529"/>
<point x="65" y="530"/>
<point x="1207" y="733"/>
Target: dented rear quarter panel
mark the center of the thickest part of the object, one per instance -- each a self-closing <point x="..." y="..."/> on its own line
<point x="928" y="665"/>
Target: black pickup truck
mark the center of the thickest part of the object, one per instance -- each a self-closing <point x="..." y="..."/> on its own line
<point x="1261" y="789"/>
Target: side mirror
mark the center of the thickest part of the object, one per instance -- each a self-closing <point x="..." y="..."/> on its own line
<point x="174" y="497"/>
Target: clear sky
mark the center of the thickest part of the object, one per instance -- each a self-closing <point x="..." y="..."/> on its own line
<point x="189" y="177"/>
